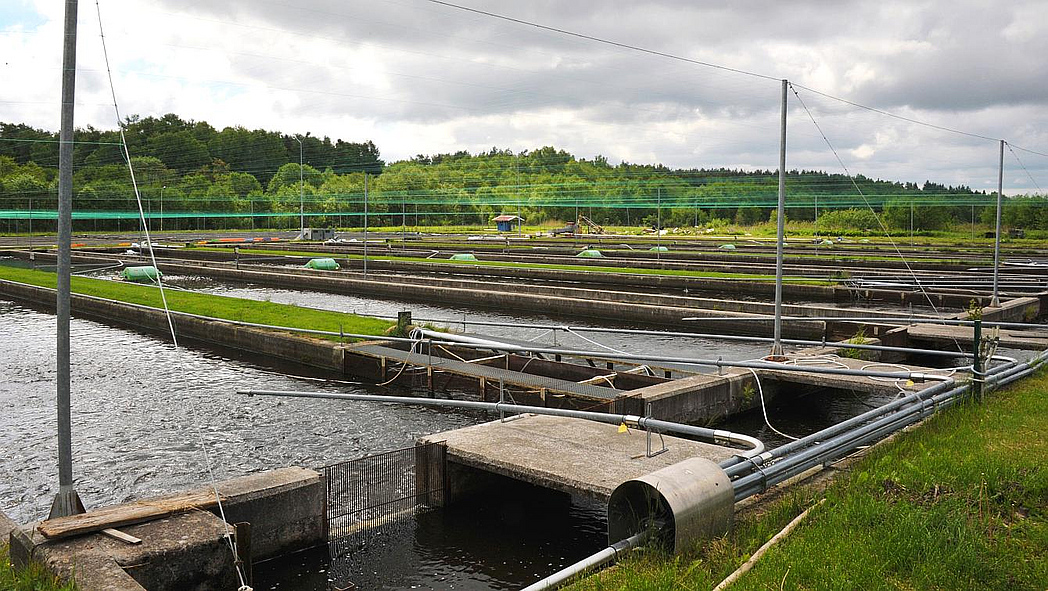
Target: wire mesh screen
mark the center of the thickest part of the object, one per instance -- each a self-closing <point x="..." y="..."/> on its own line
<point x="369" y="496"/>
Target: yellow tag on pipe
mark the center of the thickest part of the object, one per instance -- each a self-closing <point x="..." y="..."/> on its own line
<point x="622" y="428"/>
<point x="909" y="383"/>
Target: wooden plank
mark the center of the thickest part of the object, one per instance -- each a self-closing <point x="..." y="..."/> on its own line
<point x="121" y="536"/>
<point x="126" y="514"/>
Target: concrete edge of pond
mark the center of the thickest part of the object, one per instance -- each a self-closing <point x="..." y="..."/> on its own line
<point x="285" y="507"/>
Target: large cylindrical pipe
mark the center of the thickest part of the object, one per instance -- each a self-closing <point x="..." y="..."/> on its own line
<point x="677" y="505"/>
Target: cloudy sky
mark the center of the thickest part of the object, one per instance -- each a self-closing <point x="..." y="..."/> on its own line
<point x="419" y="77"/>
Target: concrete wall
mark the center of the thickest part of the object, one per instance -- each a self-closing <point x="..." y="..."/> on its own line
<point x="1024" y="309"/>
<point x="286" y="509"/>
<point x="728" y="287"/>
<point x="794" y="291"/>
<point x="562" y="301"/>
<point x="497" y="250"/>
<point x="696" y="399"/>
<point x="692" y="284"/>
<point x="188" y="551"/>
<point x="267" y="343"/>
<point x="180" y="552"/>
<point x="6" y="526"/>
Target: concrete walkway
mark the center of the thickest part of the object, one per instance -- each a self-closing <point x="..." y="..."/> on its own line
<point x="569" y="455"/>
<point x="950" y="336"/>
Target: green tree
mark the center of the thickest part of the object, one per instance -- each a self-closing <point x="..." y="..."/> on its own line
<point x="179" y="150"/>
<point x="288" y="176"/>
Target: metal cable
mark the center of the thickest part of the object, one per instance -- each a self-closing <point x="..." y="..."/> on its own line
<point x="880" y="222"/>
<point x="1016" y="156"/>
<point x="230" y="539"/>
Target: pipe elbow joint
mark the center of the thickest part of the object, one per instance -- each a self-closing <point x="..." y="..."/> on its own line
<point x="930" y="377"/>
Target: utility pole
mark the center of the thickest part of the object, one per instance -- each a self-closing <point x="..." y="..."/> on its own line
<point x="520" y="220"/>
<point x="67" y="501"/>
<point x="776" y="348"/>
<point x="996" y="300"/>
<point x="148" y="218"/>
<point x="301" y="195"/>
<point x="911" y="221"/>
<point x="365" y="224"/>
<point x="162" y="187"/>
<point x="658" y="223"/>
<point x="575" y="234"/>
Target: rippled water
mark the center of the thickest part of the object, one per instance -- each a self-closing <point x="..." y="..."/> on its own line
<point x="140" y="409"/>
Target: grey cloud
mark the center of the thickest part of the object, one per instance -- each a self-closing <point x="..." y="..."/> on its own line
<point x="957" y="63"/>
<point x="963" y="62"/>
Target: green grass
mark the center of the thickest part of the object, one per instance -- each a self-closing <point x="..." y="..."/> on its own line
<point x="34" y="578"/>
<point x="959" y="503"/>
<point x="208" y="305"/>
<point x="838" y="252"/>
<point x="513" y="265"/>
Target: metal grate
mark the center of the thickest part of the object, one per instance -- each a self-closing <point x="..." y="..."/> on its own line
<point x="493" y="374"/>
<point x="369" y="496"/>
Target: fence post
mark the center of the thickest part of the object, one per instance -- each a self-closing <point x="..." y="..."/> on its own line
<point x="242" y="535"/>
<point x="977" y="364"/>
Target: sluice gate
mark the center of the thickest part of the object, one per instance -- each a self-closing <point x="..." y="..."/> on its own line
<point x="369" y="497"/>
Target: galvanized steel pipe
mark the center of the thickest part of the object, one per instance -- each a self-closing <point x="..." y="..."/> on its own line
<point x="900" y="321"/>
<point x="646" y="423"/>
<point x="609" y="554"/>
<point x="765" y="475"/>
<point x="700" y="335"/>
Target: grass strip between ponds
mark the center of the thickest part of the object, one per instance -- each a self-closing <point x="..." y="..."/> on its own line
<point x="550" y="266"/>
<point x="960" y="502"/>
<point x="838" y="252"/>
<point x="215" y="306"/>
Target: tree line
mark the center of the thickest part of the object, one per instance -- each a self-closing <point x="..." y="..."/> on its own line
<point x="203" y="177"/>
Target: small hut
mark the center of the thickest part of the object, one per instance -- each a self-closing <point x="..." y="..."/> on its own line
<point x="504" y="223"/>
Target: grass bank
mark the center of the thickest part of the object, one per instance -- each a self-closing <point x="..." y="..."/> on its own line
<point x="207" y="305"/>
<point x="959" y="503"/>
<point x="838" y="252"/>
<point x="34" y="578"/>
<point x="506" y="264"/>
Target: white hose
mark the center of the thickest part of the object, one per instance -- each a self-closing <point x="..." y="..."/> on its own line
<point x="416" y="335"/>
<point x="764" y="407"/>
<point x="592" y="342"/>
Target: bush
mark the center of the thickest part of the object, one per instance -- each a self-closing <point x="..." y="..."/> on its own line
<point x="846" y="221"/>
